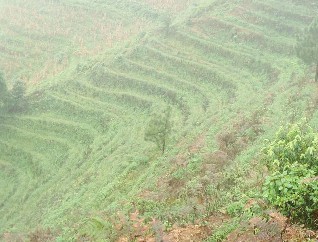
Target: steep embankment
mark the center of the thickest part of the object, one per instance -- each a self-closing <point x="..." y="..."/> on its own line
<point x="78" y="155"/>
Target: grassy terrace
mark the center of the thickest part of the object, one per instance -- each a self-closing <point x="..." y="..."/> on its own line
<point x="78" y="154"/>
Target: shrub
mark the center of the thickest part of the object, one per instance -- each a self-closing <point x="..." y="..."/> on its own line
<point x="159" y="128"/>
<point x="3" y="91"/>
<point x="18" y="101"/>
<point x="292" y="186"/>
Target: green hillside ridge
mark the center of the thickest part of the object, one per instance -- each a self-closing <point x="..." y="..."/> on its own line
<point x="95" y="71"/>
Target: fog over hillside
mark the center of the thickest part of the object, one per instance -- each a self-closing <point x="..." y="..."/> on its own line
<point x="158" y="120"/>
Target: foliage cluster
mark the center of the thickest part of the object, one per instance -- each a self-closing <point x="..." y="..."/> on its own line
<point x="292" y="186"/>
<point x="159" y="128"/>
<point x="13" y="100"/>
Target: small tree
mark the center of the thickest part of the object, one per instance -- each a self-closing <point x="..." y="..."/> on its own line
<point x="159" y="128"/>
<point x="3" y="91"/>
<point x="18" y="102"/>
<point x="307" y="46"/>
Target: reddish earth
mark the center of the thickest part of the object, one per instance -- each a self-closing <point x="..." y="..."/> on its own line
<point x="188" y="233"/>
<point x="276" y="229"/>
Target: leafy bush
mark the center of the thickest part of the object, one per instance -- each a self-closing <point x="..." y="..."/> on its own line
<point x="292" y="186"/>
<point x="3" y="90"/>
<point x="235" y="209"/>
<point x="18" y="101"/>
<point x="159" y="128"/>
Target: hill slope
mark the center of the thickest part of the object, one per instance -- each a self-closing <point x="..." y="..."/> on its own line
<point x="95" y="73"/>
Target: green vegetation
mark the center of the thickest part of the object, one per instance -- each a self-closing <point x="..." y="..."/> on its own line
<point x="159" y="128"/>
<point x="307" y="47"/>
<point x="3" y="91"/>
<point x="74" y="162"/>
<point x="293" y="184"/>
<point x="14" y="100"/>
<point x="17" y="101"/>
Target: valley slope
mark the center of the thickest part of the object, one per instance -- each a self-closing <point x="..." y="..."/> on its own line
<point x="96" y="71"/>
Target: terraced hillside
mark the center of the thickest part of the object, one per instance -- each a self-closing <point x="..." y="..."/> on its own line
<point x="96" y="71"/>
<point x="40" y="39"/>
